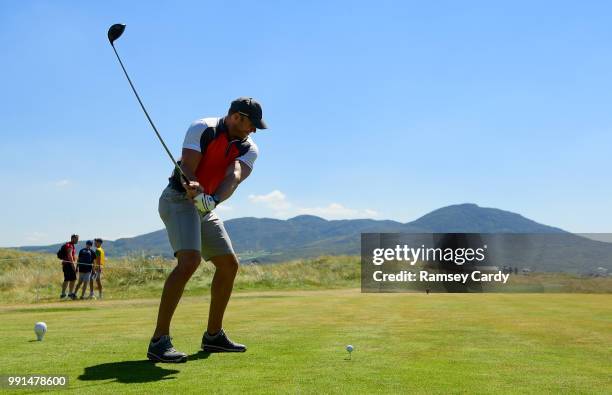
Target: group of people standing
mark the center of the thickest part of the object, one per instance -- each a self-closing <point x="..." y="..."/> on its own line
<point x="88" y="264"/>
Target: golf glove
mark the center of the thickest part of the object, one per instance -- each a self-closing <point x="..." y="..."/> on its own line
<point x="204" y="203"/>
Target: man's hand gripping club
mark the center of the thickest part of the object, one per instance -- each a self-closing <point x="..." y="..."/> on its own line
<point x="203" y="202"/>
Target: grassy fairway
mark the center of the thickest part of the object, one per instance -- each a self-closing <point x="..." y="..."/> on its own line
<point x="441" y="343"/>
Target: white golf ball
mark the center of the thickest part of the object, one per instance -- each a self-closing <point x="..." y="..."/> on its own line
<point x="40" y="329"/>
<point x="349" y="348"/>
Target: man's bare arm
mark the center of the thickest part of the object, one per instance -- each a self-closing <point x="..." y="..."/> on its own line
<point x="190" y="159"/>
<point x="73" y="259"/>
<point x="234" y="175"/>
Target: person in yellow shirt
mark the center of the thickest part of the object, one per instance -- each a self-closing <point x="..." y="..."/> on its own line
<point x="97" y="269"/>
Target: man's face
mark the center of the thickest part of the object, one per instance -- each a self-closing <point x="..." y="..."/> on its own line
<point x="98" y="244"/>
<point x="241" y="126"/>
<point x="88" y="246"/>
<point x="74" y="239"/>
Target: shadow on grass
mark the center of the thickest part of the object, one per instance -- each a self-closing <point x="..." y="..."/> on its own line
<point x="134" y="371"/>
<point x="198" y="355"/>
<point x="128" y="372"/>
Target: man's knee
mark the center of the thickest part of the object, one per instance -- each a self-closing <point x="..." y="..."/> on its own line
<point x="188" y="261"/>
<point x="227" y="262"/>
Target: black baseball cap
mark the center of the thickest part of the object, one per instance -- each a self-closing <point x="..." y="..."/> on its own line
<point x="89" y="243"/>
<point x="251" y="108"/>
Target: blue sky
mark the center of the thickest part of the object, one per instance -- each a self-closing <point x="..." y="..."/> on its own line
<point x="386" y="109"/>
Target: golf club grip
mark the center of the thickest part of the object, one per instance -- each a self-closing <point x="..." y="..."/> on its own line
<point x="148" y="117"/>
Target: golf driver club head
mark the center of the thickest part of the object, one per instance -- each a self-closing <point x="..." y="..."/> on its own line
<point x="115" y="31"/>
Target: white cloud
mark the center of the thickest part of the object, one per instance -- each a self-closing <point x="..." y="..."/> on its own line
<point x="62" y="183"/>
<point x="371" y="213"/>
<point x="278" y="203"/>
<point x="275" y="200"/>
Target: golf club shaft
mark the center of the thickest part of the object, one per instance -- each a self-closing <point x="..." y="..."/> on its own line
<point x="148" y="117"/>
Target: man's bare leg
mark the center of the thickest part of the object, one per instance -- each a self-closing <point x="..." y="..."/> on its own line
<point x="221" y="289"/>
<point x="188" y="262"/>
<point x="99" y="282"/>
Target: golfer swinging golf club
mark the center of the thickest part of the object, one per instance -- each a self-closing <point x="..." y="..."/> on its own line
<point x="218" y="154"/>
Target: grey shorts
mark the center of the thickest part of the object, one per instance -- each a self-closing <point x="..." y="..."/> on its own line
<point x="84" y="276"/>
<point x="188" y="230"/>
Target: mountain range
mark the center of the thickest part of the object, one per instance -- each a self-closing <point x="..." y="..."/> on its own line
<point x="266" y="240"/>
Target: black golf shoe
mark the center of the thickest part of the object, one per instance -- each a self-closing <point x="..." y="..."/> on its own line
<point x="164" y="351"/>
<point x="220" y="343"/>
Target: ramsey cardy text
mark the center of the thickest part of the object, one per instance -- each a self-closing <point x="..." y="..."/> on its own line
<point x="423" y="275"/>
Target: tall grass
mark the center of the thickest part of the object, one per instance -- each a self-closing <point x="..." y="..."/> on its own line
<point x="38" y="277"/>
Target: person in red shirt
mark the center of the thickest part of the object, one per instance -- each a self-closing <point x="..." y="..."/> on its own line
<point x="218" y="154"/>
<point x="68" y="257"/>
